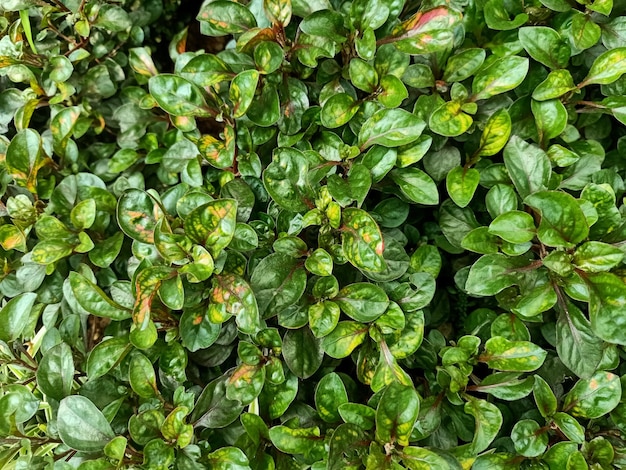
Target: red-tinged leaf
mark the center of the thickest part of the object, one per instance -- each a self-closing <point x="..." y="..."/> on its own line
<point x="425" y="32"/>
<point x="231" y="295"/>
<point x="219" y="153"/>
<point x="147" y="284"/>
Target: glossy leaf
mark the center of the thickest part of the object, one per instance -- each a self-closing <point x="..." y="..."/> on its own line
<point x="14" y="316"/>
<point x="178" y="96"/>
<point x="519" y="356"/>
<point x="363" y="302"/>
<point x="396" y="414"/>
<point x="594" y="397"/>
<point x="607" y="68"/>
<point x="500" y="76"/>
<point x="390" y="128"/>
<point x="213" y="224"/>
<point x="362" y="241"/>
<point x="82" y="426"/>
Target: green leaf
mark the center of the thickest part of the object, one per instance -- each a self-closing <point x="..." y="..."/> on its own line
<point x="461" y="184"/>
<point x="319" y="263"/>
<point x="325" y="23"/>
<point x="419" y="76"/>
<point x="245" y="383"/>
<point x="265" y="108"/>
<point x="330" y="394"/>
<point x="597" y="256"/>
<point x="90" y="297"/>
<point x="499" y="76"/>
<point x="295" y="441"/>
<point x="497" y="17"/>
<point x="528" y="166"/>
<point x="106" y="355"/>
<point x="506" y="386"/>
<point x="449" y="119"/>
<point x="204" y="70"/>
<point x="302" y="352"/>
<point x="463" y="65"/>
<point x="594" y="397"/>
<point x="563" y="222"/>
<point x="577" y="345"/>
<point x="286" y="179"/>
<point x="344" y="339"/>
<point x="278" y="398"/>
<point x="361" y="240"/>
<point x="492" y="273"/>
<point x="569" y="427"/>
<point x="480" y="240"/>
<point x="278" y="11"/>
<point x="15" y="315"/>
<point x="178" y="96"/>
<point x="584" y="32"/>
<point x="396" y="414"/>
<point x="230" y="296"/>
<point x="606" y="306"/>
<point x="495" y="134"/>
<point x="51" y="251"/>
<point x="142" y="377"/>
<point x="513" y="227"/>
<point x="390" y="128"/>
<point x="225" y="17"/>
<point x="25" y="157"/>
<point x="544" y="397"/>
<point x="278" y="282"/>
<point x="105" y="252"/>
<point x="419" y="458"/>
<point x="607" y="68"/>
<point x="488" y="420"/>
<point x="213" y="409"/>
<point x="338" y="110"/>
<point x="323" y="317"/>
<point x="528" y="438"/>
<point x="55" y="373"/>
<point x="545" y="45"/>
<point x="363" y="302"/>
<point x="82" y="426"/>
<point x="241" y="92"/>
<point x="213" y="224"/>
<point x="228" y="458"/>
<point x="550" y="118"/>
<point x="361" y="415"/>
<point x="392" y="91"/>
<point x="268" y="56"/>
<point x="363" y="75"/>
<point x="554" y="86"/>
<point x="416" y="185"/>
<point x="518" y="356"/>
<point x="137" y="215"/>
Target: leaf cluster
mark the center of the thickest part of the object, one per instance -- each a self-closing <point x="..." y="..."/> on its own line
<point x="368" y="234"/>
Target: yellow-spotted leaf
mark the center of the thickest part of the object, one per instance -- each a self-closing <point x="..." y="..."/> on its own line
<point x="362" y="240"/>
<point x="213" y="224"/>
<point x="396" y="414"/>
<point x="230" y="296"/>
<point x="515" y="356"/>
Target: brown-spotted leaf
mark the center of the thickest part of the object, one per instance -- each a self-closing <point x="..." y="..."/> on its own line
<point x="230" y="296"/>
<point x="426" y="31"/>
<point x="147" y="284"/>
<point x="137" y="215"/>
<point x="362" y="240"/>
<point x="213" y="224"/>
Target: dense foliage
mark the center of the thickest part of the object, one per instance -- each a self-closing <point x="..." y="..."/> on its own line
<point x="369" y="234"/>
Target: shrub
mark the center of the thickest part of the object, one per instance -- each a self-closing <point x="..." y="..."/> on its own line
<point x="368" y="234"/>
